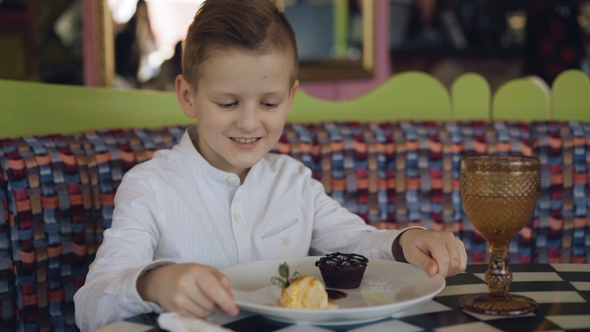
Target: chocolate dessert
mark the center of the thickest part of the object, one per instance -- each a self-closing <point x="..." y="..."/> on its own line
<point x="344" y="271"/>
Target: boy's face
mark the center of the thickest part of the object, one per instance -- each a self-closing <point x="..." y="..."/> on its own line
<point x="240" y="104"/>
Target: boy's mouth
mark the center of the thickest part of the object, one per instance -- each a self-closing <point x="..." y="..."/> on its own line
<point x="245" y="140"/>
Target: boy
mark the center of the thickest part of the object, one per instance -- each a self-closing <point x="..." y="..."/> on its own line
<point x="218" y="198"/>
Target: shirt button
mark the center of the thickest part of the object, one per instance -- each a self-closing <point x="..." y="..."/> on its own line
<point x="231" y="179"/>
<point x="140" y="308"/>
<point x="94" y="266"/>
<point x="236" y="216"/>
<point x="286" y="241"/>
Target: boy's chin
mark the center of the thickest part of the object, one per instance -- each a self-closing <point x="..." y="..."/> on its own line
<point x="246" y="163"/>
<point x="246" y="159"/>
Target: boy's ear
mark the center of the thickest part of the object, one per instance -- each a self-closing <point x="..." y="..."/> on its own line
<point x="184" y="94"/>
<point x="293" y="92"/>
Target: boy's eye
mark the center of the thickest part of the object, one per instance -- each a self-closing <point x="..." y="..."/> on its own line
<point x="230" y="105"/>
<point x="269" y="105"/>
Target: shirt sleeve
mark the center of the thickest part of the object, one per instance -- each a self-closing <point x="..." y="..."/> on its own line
<point x="337" y="229"/>
<point x="110" y="293"/>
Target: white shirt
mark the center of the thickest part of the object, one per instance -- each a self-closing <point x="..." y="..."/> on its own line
<point x="178" y="208"/>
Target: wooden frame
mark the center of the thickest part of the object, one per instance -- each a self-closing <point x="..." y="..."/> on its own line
<point x="336" y="70"/>
<point x="99" y="67"/>
<point x="99" y="48"/>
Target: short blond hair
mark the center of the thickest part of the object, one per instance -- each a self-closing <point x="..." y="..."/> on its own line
<point x="246" y="25"/>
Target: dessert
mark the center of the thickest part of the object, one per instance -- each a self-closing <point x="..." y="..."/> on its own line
<point x="301" y="291"/>
<point x="344" y="271"/>
<point x="306" y="292"/>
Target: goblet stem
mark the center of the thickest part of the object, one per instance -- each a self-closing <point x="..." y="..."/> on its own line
<point x="498" y="275"/>
<point x="498" y="301"/>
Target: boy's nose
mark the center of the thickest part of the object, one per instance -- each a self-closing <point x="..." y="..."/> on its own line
<point x="248" y="119"/>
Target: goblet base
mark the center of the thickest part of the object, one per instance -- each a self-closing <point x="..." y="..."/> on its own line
<point x="498" y="305"/>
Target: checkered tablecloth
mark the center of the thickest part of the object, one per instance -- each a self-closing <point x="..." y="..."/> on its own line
<point x="561" y="290"/>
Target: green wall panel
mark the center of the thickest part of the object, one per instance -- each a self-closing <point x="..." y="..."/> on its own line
<point x="571" y="96"/>
<point x="471" y="97"/>
<point x="520" y="99"/>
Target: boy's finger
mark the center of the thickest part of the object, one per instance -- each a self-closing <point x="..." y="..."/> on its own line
<point x="432" y="267"/>
<point x="463" y="253"/>
<point x="455" y="258"/>
<point x="212" y="288"/>
<point x="440" y="253"/>
<point x="423" y="261"/>
<point x="195" y="310"/>
<point x="223" y="280"/>
<point x="203" y="301"/>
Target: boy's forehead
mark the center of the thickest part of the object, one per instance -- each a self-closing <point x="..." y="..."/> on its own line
<point x="231" y="53"/>
<point x="230" y="65"/>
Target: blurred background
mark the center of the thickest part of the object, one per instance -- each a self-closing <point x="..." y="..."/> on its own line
<point x="136" y="44"/>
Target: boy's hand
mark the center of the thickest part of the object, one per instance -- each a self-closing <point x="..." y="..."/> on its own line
<point x="188" y="289"/>
<point x="434" y="251"/>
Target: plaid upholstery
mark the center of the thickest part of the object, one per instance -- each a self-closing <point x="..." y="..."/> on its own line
<point x="49" y="210"/>
<point x="56" y="194"/>
<point x="6" y="275"/>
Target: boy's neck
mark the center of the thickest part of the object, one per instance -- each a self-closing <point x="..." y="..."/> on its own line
<point x="242" y="175"/>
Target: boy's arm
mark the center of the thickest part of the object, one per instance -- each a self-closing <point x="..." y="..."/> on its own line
<point x="110" y="293"/>
<point x="337" y="229"/>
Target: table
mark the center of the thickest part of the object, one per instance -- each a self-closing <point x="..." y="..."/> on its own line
<point x="561" y="290"/>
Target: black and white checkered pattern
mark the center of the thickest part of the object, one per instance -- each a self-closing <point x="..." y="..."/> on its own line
<point x="562" y="292"/>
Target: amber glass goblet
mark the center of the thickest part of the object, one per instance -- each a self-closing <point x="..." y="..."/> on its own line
<point x="499" y="195"/>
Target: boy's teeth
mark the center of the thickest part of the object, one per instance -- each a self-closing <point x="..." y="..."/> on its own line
<point x="244" y="140"/>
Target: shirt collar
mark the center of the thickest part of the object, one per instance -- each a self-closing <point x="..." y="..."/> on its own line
<point x="188" y="149"/>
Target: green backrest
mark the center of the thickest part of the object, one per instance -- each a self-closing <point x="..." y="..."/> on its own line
<point x="571" y="96"/>
<point x="410" y="95"/>
<point x="471" y="96"/>
<point x="35" y="108"/>
<point x="521" y="99"/>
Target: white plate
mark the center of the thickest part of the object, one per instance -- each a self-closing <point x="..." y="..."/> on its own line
<point x="387" y="287"/>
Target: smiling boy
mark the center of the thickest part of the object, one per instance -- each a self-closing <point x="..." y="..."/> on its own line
<point x="218" y="198"/>
<point x="241" y="103"/>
